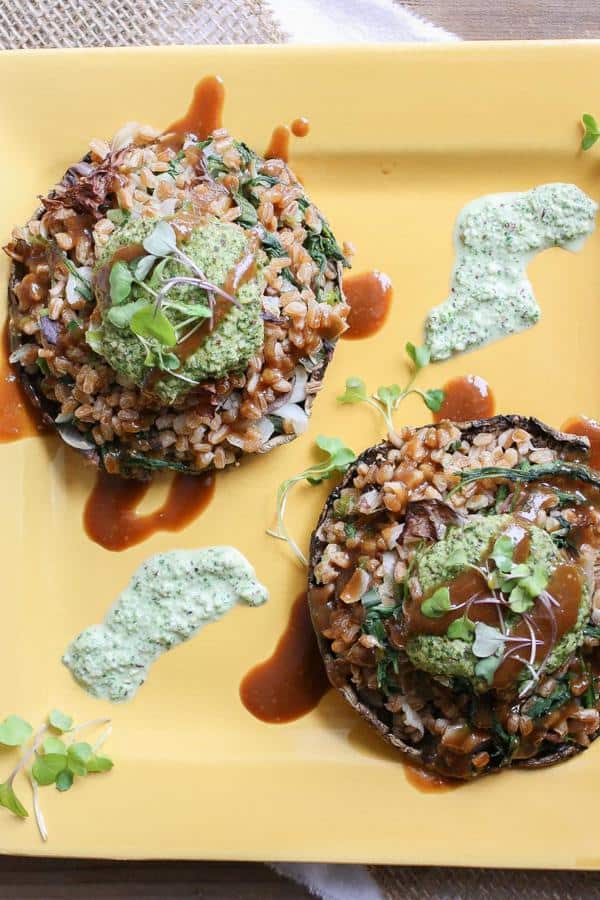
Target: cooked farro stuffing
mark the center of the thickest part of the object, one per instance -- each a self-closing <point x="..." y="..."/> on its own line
<point x="455" y="592"/>
<point x="175" y="302"/>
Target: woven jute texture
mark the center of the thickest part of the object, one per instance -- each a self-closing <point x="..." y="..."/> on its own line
<point x="30" y="24"/>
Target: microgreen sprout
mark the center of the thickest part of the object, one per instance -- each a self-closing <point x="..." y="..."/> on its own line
<point x="337" y="459"/>
<point x="141" y="295"/>
<point x="436" y="606"/>
<point x="591" y="131"/>
<point x="512" y="589"/>
<point x="52" y="759"/>
<point x="387" y="399"/>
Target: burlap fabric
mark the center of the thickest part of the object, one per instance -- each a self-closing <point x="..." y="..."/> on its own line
<point x="31" y="24"/>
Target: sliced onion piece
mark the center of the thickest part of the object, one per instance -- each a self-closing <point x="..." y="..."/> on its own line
<point x="298" y="393"/>
<point x="294" y="415"/>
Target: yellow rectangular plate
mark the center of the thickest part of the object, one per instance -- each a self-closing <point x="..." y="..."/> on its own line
<point x="401" y="138"/>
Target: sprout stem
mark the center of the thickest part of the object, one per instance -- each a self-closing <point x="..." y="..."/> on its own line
<point x="37" y="809"/>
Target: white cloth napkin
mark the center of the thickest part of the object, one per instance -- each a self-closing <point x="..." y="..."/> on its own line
<point x="329" y="22"/>
<point x="352" y="21"/>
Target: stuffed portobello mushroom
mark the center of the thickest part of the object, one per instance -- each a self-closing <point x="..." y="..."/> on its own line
<point x="174" y="303"/>
<point x="454" y="591"/>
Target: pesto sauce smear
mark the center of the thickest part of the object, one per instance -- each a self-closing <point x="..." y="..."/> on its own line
<point x="495" y="237"/>
<point x="168" y="600"/>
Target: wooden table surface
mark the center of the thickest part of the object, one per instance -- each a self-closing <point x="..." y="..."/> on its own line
<point x="69" y="879"/>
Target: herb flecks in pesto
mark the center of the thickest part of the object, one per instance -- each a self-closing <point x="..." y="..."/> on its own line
<point x="496" y="236"/>
<point x="168" y="600"/>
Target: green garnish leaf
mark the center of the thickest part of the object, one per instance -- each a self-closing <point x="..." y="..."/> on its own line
<point x="121" y="316"/>
<point x="99" y="764"/>
<point x="157" y="275"/>
<point x="536" y="583"/>
<point x="80" y="752"/>
<point x="42" y="365"/>
<point x="486" y="668"/>
<point x="120" y="281"/>
<point x="54" y="745"/>
<point x="436" y="606"/>
<point x="60" y="721"/>
<point x="389" y="395"/>
<point x="433" y="399"/>
<point x="46" y="767"/>
<point x="195" y="310"/>
<point x="519" y="600"/>
<point x="419" y="355"/>
<point x="93" y="339"/>
<point x="591" y="131"/>
<point x="14" y="731"/>
<point x="502" y="553"/>
<point x="143" y="266"/>
<point x="461" y="629"/>
<point x="9" y="799"/>
<point x="64" y="780"/>
<point x="488" y="640"/>
<point x="356" y="391"/>
<point x="73" y="326"/>
<point x="162" y="241"/>
<point x="339" y="458"/>
<point x="149" y="322"/>
<point x="170" y="362"/>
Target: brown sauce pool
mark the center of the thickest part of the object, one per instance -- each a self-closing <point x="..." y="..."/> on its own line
<point x="300" y="127"/>
<point x="279" y="145"/>
<point x="466" y="398"/>
<point x="587" y="428"/>
<point x="292" y="681"/>
<point x="205" y="113"/>
<point x="369" y="295"/>
<point x="429" y="782"/>
<point x="110" y="516"/>
<point x="19" y="418"/>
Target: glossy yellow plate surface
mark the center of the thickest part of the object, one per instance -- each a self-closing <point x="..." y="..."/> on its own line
<point x="400" y="140"/>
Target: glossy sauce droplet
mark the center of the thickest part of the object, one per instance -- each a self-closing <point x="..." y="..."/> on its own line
<point x="300" y="127"/>
<point x="205" y="113"/>
<point x="369" y="295"/>
<point x="466" y="398"/>
<point x="110" y="516"/>
<point x="292" y="681"/>
<point x="429" y="782"/>
<point x="19" y="418"/>
<point x="587" y="428"/>
<point x="279" y="145"/>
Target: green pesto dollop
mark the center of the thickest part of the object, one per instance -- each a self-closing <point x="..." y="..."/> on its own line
<point x="495" y="237"/>
<point x="447" y="657"/>
<point x="215" y="249"/>
<point x="168" y="600"/>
